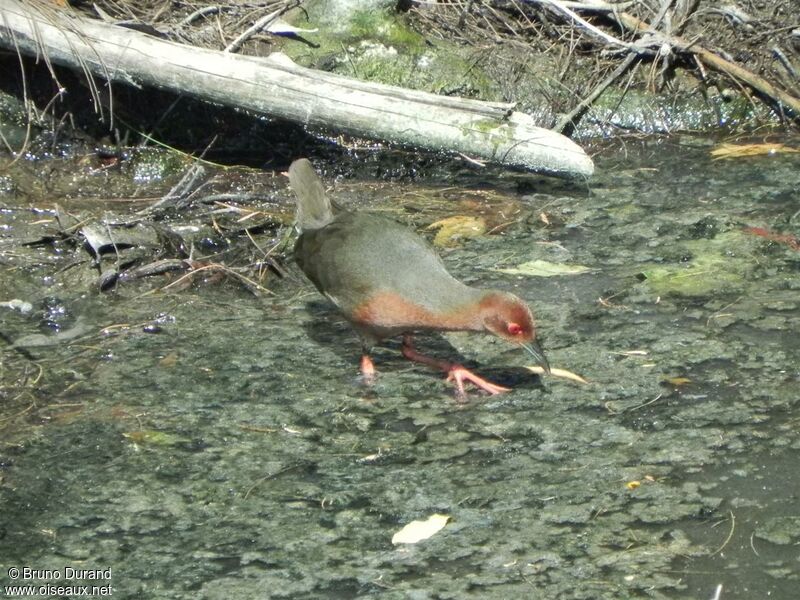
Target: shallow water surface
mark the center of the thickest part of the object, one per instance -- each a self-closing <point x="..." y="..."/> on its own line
<point x="208" y="443"/>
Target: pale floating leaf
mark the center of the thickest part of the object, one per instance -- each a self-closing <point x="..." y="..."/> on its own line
<point x="155" y="438"/>
<point x="556" y="372"/>
<point x="417" y="531"/>
<point x="737" y="150"/>
<point x="542" y="268"/>
<point x="16" y="304"/>
<point x="454" y="229"/>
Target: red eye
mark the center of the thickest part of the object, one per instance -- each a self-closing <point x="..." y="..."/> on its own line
<point x="514" y="328"/>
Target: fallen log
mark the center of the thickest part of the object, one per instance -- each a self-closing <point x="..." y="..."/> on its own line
<point x="276" y="86"/>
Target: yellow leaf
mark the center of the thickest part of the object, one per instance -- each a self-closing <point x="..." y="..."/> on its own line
<point x="556" y="372"/>
<point x="170" y="360"/>
<point x="417" y="531"/>
<point x="737" y="150"/>
<point x="542" y="268"/>
<point x="155" y="438"/>
<point x="454" y="229"/>
<point x="676" y="381"/>
<point x="632" y="485"/>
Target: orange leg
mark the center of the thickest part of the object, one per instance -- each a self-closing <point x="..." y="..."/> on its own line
<point x="455" y="372"/>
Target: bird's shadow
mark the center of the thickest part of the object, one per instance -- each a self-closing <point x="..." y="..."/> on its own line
<point x="327" y="328"/>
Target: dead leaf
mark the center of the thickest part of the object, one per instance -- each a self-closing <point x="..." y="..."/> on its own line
<point x="416" y="531"/>
<point x="454" y="229"/>
<point x="155" y="438"/>
<point x="170" y="360"/>
<point x="677" y="381"/>
<point x="738" y="150"/>
<point x="542" y="268"/>
<point x="556" y="372"/>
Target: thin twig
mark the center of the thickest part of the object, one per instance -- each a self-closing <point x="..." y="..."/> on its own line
<point x="648" y="403"/>
<point x="730" y="535"/>
<point x="201" y="12"/>
<point x="610" y="39"/>
<point x="569" y="121"/>
<point x="271" y="476"/>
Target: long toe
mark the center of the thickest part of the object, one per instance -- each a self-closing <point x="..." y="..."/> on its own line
<point x="459" y="375"/>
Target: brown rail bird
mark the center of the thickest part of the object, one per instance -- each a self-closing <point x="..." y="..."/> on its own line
<point x="387" y="281"/>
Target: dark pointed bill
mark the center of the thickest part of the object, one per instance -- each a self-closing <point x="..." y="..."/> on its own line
<point x="536" y="351"/>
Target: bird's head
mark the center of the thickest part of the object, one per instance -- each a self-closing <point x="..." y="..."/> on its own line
<point x="508" y="317"/>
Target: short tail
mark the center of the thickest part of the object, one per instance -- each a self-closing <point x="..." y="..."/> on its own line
<point x="313" y="206"/>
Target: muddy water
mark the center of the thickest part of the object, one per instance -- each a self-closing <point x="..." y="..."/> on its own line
<point x="203" y="441"/>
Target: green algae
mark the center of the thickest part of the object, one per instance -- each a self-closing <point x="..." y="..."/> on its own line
<point x="780" y="530"/>
<point x="156" y="164"/>
<point x="720" y="264"/>
<point x="379" y="45"/>
<point x="385" y="27"/>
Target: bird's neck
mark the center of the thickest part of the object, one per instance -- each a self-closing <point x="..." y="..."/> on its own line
<point x="468" y="315"/>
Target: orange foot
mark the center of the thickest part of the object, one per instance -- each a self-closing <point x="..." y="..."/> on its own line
<point x="455" y="372"/>
<point x="367" y="369"/>
<point x="459" y="374"/>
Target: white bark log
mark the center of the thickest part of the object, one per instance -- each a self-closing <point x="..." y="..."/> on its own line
<point x="278" y="87"/>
